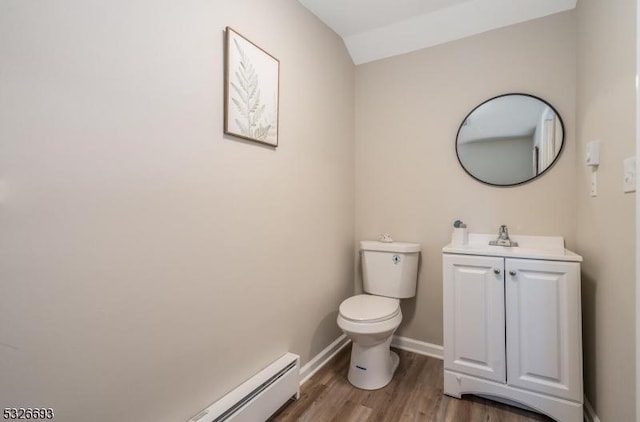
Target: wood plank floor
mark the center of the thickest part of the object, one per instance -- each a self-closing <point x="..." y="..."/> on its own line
<point x="414" y="394"/>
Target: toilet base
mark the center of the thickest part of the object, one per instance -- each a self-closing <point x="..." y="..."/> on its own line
<point x="372" y="367"/>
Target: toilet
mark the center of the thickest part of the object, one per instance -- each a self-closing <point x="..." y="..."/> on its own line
<point x="389" y="273"/>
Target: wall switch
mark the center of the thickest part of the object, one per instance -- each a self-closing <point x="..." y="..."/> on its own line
<point x="594" y="183"/>
<point x="629" y="184"/>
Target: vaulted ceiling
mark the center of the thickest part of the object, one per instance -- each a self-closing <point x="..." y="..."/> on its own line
<point x="375" y="29"/>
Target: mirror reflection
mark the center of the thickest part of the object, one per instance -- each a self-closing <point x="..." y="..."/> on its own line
<point x="510" y="139"/>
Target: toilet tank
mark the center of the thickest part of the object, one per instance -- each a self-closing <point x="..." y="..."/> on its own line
<point x="390" y="269"/>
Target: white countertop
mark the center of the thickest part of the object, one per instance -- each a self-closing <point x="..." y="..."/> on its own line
<point x="529" y="247"/>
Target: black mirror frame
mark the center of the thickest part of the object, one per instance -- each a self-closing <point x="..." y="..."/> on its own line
<point x="555" y="160"/>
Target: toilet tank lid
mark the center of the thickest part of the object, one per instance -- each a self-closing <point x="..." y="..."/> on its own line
<point x="402" y="247"/>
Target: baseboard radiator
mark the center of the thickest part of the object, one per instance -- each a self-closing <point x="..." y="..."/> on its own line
<point x="258" y="397"/>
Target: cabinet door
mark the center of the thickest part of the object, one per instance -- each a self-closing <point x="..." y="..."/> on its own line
<point x="544" y="334"/>
<point x="474" y="315"/>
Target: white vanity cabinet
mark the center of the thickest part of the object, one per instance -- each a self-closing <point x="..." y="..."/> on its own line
<point x="512" y="324"/>
<point x="474" y="316"/>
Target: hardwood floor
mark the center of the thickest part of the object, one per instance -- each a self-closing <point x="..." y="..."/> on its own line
<point x="414" y="394"/>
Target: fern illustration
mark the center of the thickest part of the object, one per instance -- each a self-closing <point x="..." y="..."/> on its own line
<point x="246" y="98"/>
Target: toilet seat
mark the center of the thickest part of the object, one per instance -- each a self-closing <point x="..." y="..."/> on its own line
<point x="369" y="308"/>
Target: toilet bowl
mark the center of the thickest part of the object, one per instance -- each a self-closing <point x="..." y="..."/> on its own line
<point x="370" y="321"/>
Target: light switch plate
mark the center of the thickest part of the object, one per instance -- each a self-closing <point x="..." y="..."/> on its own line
<point x="594" y="184"/>
<point x="629" y="184"/>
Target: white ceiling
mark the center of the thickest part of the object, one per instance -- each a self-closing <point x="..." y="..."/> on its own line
<point x="375" y="29"/>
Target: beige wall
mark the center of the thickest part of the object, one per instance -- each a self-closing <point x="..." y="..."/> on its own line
<point x="408" y="179"/>
<point x="148" y="264"/>
<point x="605" y="233"/>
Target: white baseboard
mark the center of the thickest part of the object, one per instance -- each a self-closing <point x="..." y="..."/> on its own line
<point x="322" y="358"/>
<point x="589" y="413"/>
<point x="419" y="347"/>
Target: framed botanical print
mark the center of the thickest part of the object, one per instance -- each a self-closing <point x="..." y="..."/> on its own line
<point x="251" y="88"/>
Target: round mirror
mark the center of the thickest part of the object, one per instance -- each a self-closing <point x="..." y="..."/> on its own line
<point x="510" y="139"/>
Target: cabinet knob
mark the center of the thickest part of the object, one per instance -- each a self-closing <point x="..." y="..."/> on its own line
<point x="512" y="272"/>
<point x="496" y="270"/>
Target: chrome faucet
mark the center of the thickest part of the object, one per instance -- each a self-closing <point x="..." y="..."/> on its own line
<point x="503" y="238"/>
<point x="503" y="233"/>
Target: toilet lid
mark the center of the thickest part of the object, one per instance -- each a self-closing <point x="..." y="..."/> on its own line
<point x="369" y="308"/>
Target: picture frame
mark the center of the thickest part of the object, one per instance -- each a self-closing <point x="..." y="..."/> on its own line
<point x="251" y="90"/>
